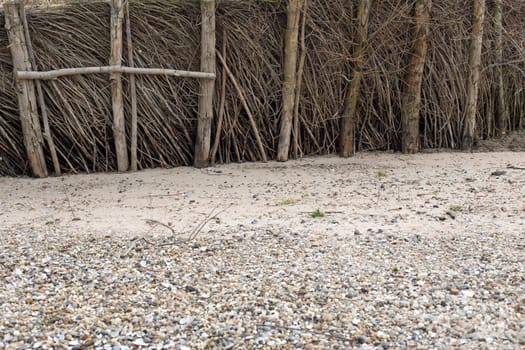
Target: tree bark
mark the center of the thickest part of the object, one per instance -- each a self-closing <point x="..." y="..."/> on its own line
<point x="119" y="122"/>
<point x="502" y="115"/>
<point x="293" y="12"/>
<point x="27" y="101"/>
<point x="476" y="40"/>
<point x="410" y="109"/>
<point x="348" y="120"/>
<point x="203" y="139"/>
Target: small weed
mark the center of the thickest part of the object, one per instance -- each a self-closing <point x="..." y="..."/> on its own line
<point x="456" y="208"/>
<point x="381" y="173"/>
<point x="317" y="214"/>
<point x="288" y="201"/>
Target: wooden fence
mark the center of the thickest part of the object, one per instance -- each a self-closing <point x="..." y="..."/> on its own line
<point x="38" y="137"/>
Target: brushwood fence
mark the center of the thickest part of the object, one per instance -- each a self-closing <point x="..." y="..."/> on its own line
<point x="204" y="82"/>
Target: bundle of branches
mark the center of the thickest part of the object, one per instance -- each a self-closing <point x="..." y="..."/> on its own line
<point x="250" y="39"/>
<point x="514" y="62"/>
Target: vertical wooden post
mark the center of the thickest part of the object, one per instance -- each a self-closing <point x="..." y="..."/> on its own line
<point x="207" y="86"/>
<point x="476" y="40"/>
<point x="296" y="149"/>
<point x="293" y="12"/>
<point x="410" y="109"/>
<point x="119" y="122"/>
<point x="133" y="93"/>
<point x="502" y="114"/>
<point x="349" y="117"/>
<point x="40" y="97"/>
<point x="27" y="102"/>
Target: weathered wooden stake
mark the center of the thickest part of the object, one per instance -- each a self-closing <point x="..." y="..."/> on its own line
<point x="133" y="92"/>
<point x="119" y="122"/>
<point x="349" y="118"/>
<point x="40" y="97"/>
<point x="502" y="114"/>
<point x="410" y="108"/>
<point x="296" y="149"/>
<point x="293" y="12"/>
<point x="476" y="39"/>
<point x="204" y="122"/>
<point x="27" y="102"/>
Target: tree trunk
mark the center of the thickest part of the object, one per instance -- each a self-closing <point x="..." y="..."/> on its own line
<point x="293" y="12"/>
<point x="476" y="39"/>
<point x="203" y="138"/>
<point x="410" y="109"/>
<point x="119" y="122"/>
<point x="27" y="101"/>
<point x="349" y="117"/>
<point x="502" y="115"/>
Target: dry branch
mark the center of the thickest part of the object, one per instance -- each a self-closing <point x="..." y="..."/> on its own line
<point x="247" y="109"/>
<point x="57" y="73"/>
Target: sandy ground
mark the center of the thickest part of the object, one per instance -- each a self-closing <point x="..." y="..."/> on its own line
<point x="423" y="251"/>
<point x="429" y="193"/>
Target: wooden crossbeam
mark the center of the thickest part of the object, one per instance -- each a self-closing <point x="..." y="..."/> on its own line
<point x="57" y="73"/>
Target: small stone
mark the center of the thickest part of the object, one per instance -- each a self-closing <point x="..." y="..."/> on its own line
<point x="454" y="291"/>
<point x="328" y="317"/>
<point x="191" y="289"/>
<point x="274" y="315"/>
<point x="361" y="339"/>
<point x="468" y="293"/>
<point x="382" y="335"/>
<point x="139" y="342"/>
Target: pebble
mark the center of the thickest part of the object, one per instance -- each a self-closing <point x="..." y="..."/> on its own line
<point x="319" y="292"/>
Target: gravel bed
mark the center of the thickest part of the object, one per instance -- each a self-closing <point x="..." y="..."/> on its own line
<point x="263" y="288"/>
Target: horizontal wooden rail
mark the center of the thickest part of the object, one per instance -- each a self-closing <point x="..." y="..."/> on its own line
<point x="53" y="74"/>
